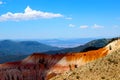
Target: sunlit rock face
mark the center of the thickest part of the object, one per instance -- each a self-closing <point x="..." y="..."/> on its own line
<point x="41" y="66"/>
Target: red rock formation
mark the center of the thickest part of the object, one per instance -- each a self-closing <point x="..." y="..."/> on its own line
<point x="40" y="66"/>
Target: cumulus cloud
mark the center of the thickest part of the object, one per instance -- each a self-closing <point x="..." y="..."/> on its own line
<point x="71" y="25"/>
<point x="28" y="14"/>
<point x="84" y="26"/>
<point x="97" y="26"/>
<point x="1" y="2"/>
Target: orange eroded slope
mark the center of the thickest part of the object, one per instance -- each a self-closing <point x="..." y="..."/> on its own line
<point x="87" y="56"/>
<point x="43" y="66"/>
<point x="74" y="60"/>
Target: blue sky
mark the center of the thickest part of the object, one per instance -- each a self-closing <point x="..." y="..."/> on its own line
<point x="50" y="19"/>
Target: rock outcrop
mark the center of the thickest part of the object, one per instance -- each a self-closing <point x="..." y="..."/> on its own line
<point x="41" y="66"/>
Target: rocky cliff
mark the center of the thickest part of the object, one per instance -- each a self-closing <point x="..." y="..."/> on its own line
<point x="41" y="66"/>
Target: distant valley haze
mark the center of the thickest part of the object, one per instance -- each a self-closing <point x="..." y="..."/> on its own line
<point x="63" y="43"/>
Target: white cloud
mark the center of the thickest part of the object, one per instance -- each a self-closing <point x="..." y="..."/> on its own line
<point x="28" y="14"/>
<point x="94" y="26"/>
<point x="68" y="18"/>
<point x="71" y="25"/>
<point x="84" y="26"/>
<point x="1" y="2"/>
<point x="97" y="26"/>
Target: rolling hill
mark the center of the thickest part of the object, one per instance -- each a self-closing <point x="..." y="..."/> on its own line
<point x="18" y="50"/>
<point x="23" y="47"/>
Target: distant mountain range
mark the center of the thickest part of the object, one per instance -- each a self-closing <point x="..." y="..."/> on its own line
<point x="18" y="50"/>
<point x="64" y="43"/>
<point x="9" y="47"/>
<point x="92" y="45"/>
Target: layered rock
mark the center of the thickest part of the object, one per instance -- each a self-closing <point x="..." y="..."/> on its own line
<point x="41" y="66"/>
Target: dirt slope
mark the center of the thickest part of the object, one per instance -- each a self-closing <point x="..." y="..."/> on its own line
<point x="106" y="68"/>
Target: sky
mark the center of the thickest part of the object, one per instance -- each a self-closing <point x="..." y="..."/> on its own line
<point x="56" y="19"/>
